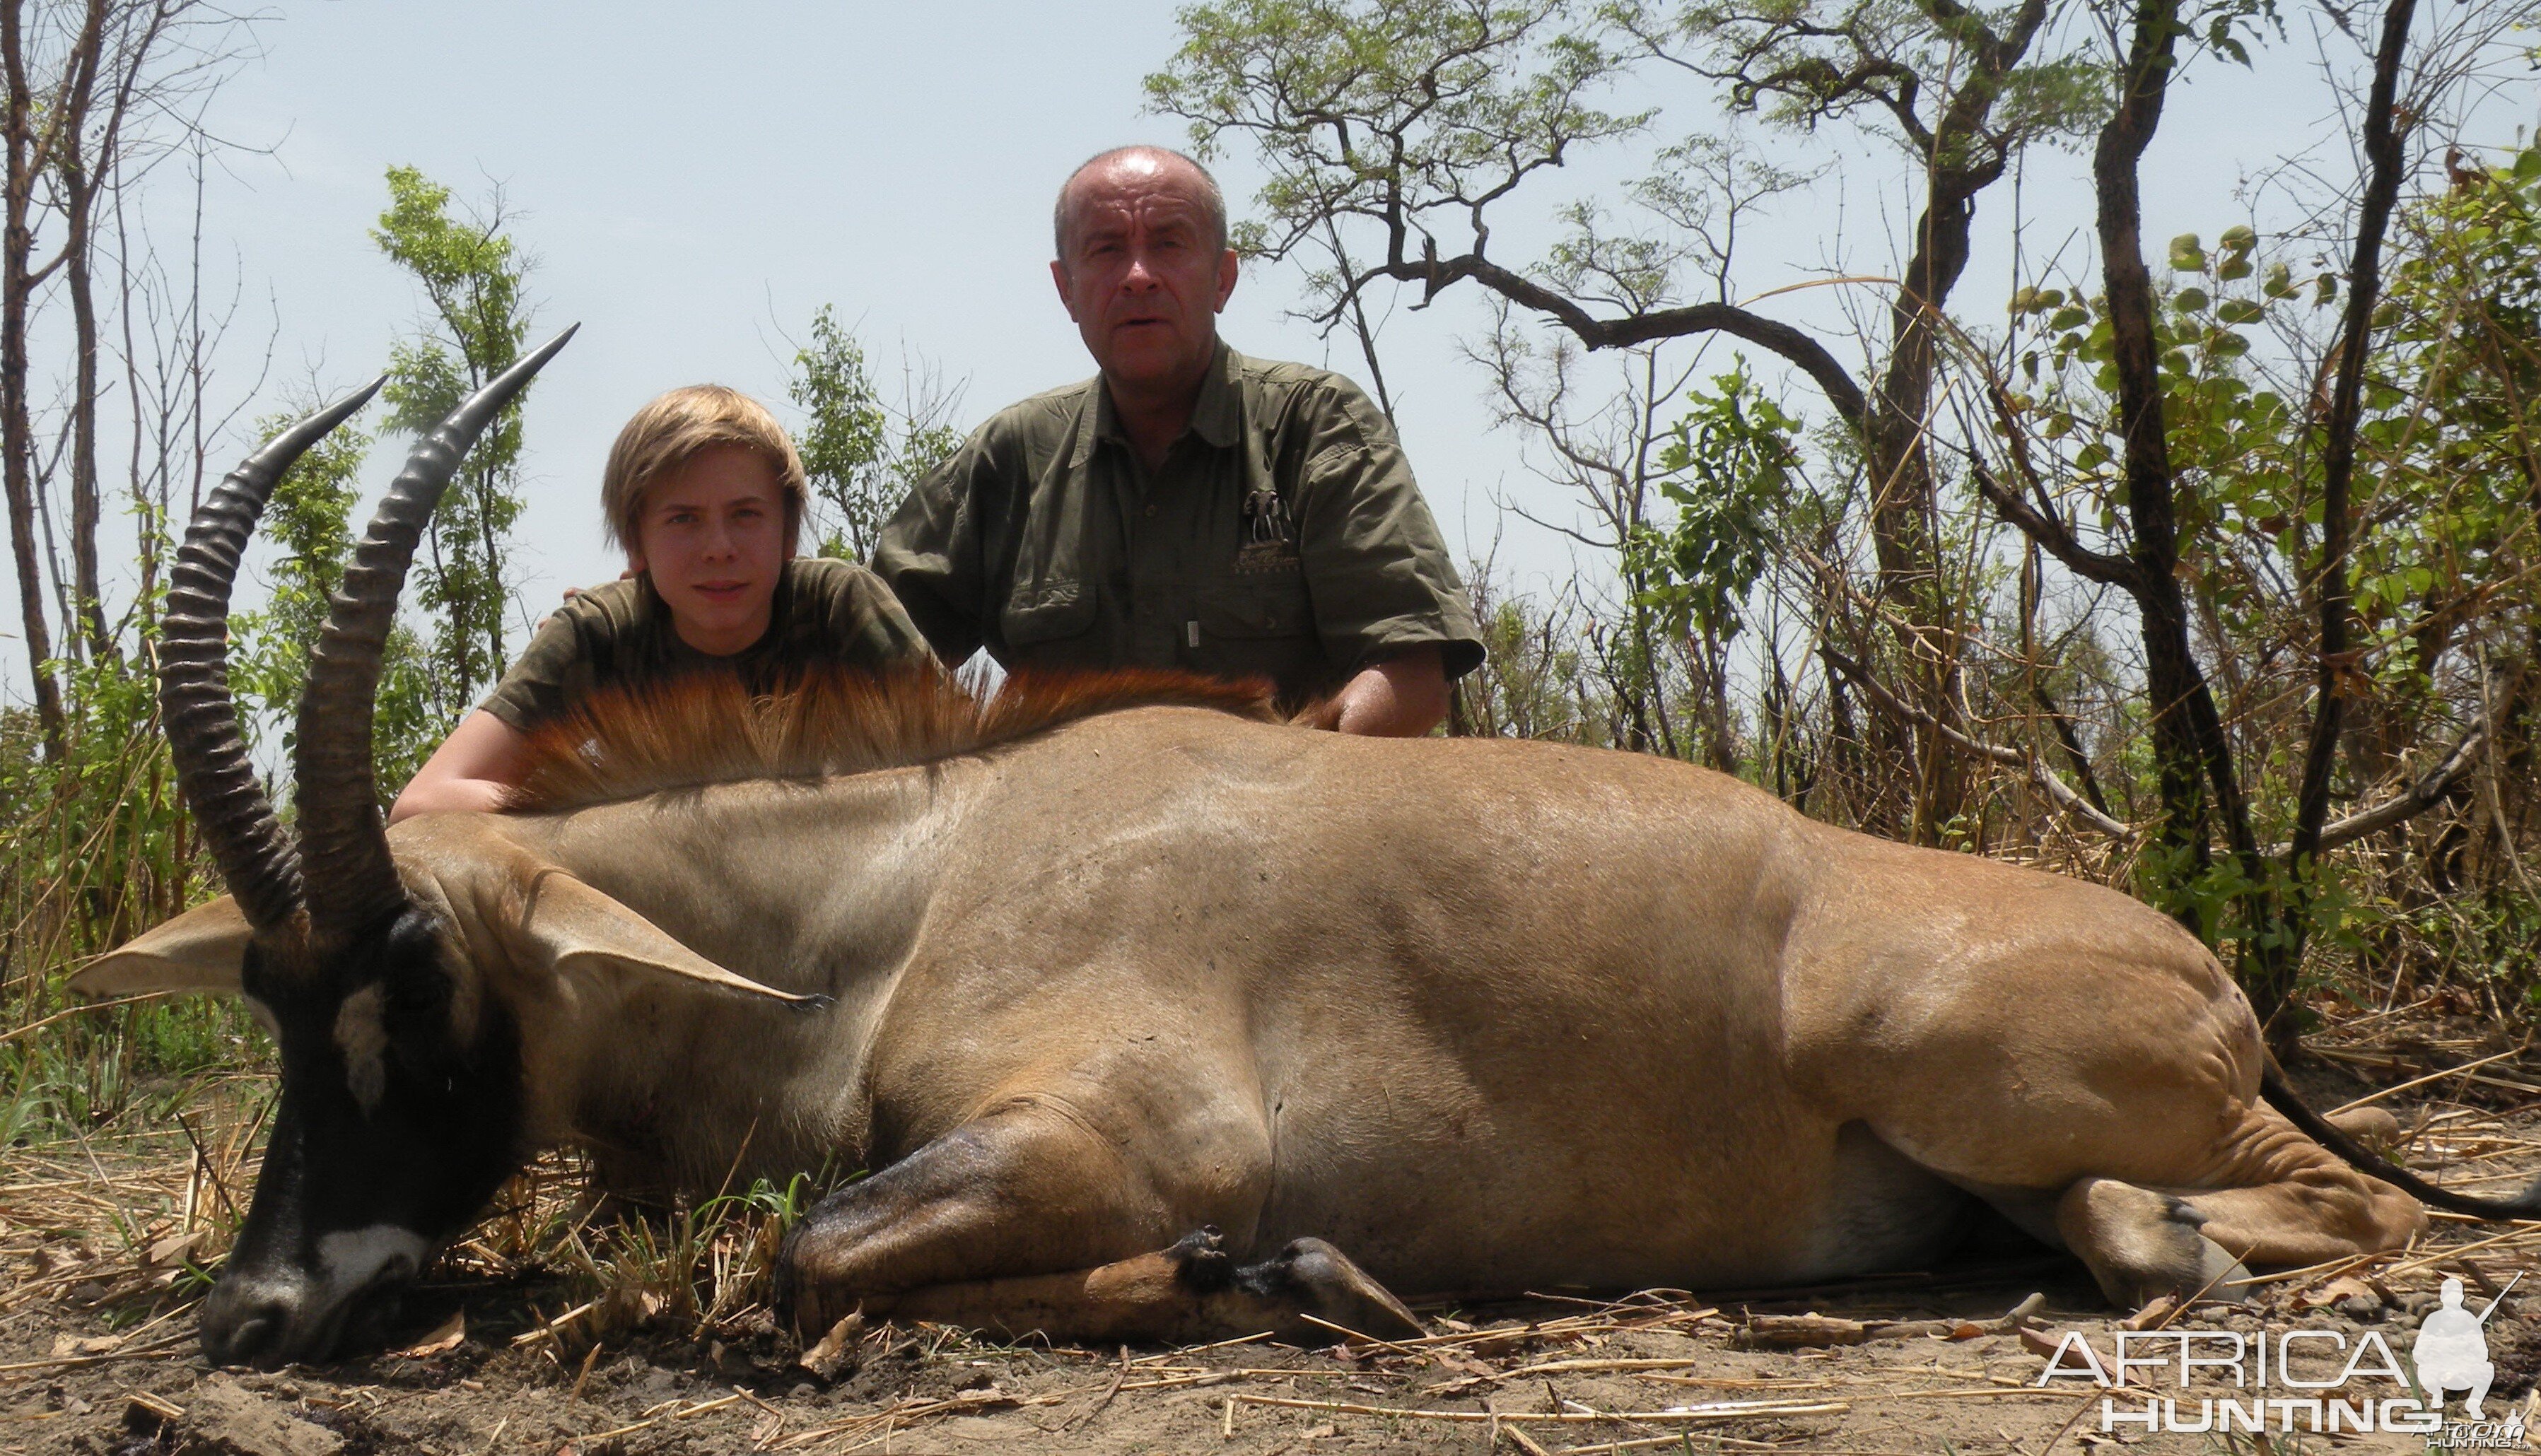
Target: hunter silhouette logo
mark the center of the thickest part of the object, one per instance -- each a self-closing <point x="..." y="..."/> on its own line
<point x="2451" y="1352"/>
<point x="2327" y="1381"/>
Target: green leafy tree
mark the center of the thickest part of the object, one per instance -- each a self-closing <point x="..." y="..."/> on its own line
<point x="1730" y="465"/>
<point x="862" y="453"/>
<point x="471" y="272"/>
<point x="2320" y="537"/>
<point x="308" y="524"/>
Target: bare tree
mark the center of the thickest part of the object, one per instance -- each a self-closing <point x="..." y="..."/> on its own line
<point x="94" y="88"/>
<point x="31" y="129"/>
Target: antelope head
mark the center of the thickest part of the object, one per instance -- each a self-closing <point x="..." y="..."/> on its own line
<point x="393" y="979"/>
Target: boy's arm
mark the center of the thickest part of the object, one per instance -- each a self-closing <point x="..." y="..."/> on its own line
<point x="474" y="769"/>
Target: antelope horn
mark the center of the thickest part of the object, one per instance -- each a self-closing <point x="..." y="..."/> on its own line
<point x="255" y="858"/>
<point x="339" y="810"/>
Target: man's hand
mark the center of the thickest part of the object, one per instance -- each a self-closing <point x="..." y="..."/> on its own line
<point x="1403" y="696"/>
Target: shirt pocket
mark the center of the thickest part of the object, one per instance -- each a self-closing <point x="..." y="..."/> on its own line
<point x="1052" y="612"/>
<point x="1253" y="610"/>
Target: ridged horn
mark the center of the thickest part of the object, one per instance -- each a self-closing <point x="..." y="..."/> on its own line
<point x="340" y="829"/>
<point x="255" y="857"/>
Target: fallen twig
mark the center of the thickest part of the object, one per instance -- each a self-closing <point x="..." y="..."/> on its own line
<point x="1800" y="1330"/>
<point x="701" y="1408"/>
<point x="161" y="1350"/>
<point x="2336" y="1054"/>
<point x="1117" y="1376"/>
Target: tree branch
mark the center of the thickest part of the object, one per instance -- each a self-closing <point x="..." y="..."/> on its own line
<point x="1792" y="344"/>
<point x="2052" y="535"/>
<point x="2055" y="788"/>
<point x="2430" y="789"/>
<point x="2382" y="138"/>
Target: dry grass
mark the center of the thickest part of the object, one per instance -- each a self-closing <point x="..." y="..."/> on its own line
<point x="701" y="1270"/>
<point x="133" y="1227"/>
<point x="130" y="1232"/>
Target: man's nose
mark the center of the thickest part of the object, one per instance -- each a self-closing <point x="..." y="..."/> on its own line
<point x="717" y="545"/>
<point x="1142" y="277"/>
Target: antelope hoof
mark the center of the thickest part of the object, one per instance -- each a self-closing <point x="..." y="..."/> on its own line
<point x="1327" y="1286"/>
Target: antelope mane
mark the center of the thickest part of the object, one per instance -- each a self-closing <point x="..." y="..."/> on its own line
<point x="708" y="728"/>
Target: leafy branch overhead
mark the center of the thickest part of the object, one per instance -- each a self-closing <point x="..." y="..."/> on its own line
<point x="1731" y="465"/>
<point x="1408" y="123"/>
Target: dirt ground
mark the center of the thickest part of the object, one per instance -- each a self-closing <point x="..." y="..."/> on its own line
<point x="481" y="1370"/>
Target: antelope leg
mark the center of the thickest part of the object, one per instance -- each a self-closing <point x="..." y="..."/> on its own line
<point x="1181" y="1295"/>
<point x="1028" y="1219"/>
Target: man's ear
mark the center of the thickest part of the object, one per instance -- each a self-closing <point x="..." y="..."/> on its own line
<point x="573" y="927"/>
<point x="1067" y="300"/>
<point x="1226" y="271"/>
<point x="200" y="950"/>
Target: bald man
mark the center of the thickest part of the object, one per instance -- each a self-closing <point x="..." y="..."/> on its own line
<point x="1188" y="507"/>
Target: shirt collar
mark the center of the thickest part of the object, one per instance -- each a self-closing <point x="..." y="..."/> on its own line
<point x="1217" y="416"/>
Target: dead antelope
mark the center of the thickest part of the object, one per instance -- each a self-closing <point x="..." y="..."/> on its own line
<point x="1143" y="1008"/>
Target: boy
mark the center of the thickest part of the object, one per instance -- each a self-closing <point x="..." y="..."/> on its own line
<point x="705" y="493"/>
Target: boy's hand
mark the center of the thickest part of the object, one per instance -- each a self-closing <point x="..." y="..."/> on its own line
<point x="475" y="769"/>
<point x="570" y="593"/>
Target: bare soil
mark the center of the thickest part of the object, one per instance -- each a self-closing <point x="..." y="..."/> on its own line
<point x="98" y="1357"/>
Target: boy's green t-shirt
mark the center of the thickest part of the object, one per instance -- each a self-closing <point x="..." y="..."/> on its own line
<point x="825" y="612"/>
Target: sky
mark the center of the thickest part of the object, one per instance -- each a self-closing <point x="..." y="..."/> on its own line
<point x="693" y="182"/>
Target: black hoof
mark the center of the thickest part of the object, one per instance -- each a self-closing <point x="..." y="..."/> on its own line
<point x="1323" y="1279"/>
<point x="1200" y="1261"/>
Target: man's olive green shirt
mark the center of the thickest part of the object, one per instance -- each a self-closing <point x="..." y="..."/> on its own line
<point x="1283" y="539"/>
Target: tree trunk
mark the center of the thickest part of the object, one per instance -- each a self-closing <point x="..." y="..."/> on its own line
<point x="2281" y="956"/>
<point x="2169" y="666"/>
<point x="2189" y="742"/>
<point x="1902" y="502"/>
<point x="80" y="181"/>
<point x="17" y="280"/>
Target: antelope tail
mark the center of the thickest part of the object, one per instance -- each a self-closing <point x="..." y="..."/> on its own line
<point x="2272" y="1086"/>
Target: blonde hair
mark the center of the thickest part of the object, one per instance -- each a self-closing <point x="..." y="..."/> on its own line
<point x="668" y="433"/>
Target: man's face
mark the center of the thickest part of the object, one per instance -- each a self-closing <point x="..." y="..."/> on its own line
<point x="1144" y="274"/>
<point x="713" y="538"/>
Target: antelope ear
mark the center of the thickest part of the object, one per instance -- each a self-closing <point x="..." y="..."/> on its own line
<point x="575" y="928"/>
<point x="200" y="950"/>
